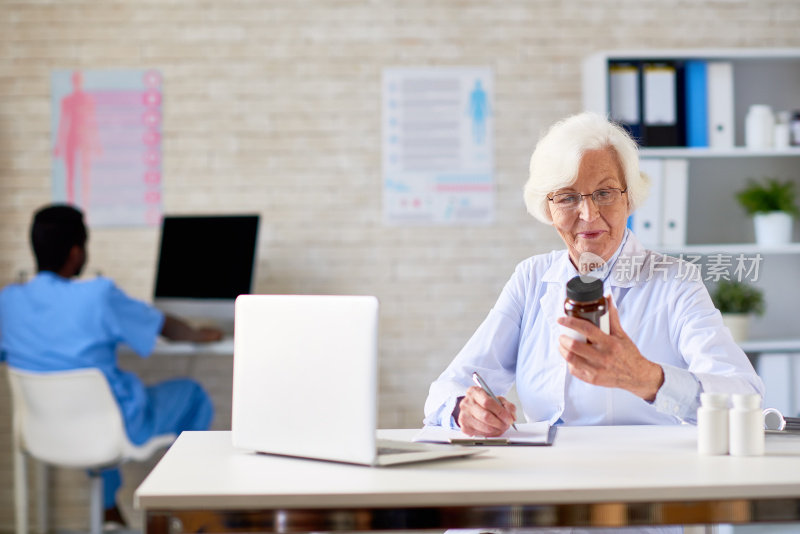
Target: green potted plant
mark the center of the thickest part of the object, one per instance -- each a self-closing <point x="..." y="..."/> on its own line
<point x="738" y="302"/>
<point x="771" y="202"/>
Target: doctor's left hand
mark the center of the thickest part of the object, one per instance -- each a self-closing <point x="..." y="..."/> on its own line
<point x="610" y="360"/>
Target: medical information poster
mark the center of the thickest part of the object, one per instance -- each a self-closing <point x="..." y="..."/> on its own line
<point x="106" y="144"/>
<point x="437" y="146"/>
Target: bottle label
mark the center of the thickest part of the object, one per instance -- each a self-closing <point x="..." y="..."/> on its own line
<point x="574" y="334"/>
<point x="605" y="323"/>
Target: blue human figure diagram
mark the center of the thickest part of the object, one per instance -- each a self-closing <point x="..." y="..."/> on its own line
<point x="478" y="110"/>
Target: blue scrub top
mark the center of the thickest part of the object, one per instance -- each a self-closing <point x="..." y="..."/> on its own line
<point x="54" y="324"/>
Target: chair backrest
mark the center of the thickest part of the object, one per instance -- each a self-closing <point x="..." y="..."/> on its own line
<point x="68" y="418"/>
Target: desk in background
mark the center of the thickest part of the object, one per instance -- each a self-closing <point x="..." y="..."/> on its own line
<point x="164" y="347"/>
<point x="223" y="347"/>
<point x="592" y="476"/>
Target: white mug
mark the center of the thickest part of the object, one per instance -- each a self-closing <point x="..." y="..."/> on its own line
<point x="758" y="126"/>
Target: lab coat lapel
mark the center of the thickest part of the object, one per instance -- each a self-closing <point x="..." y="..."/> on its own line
<point x="556" y="277"/>
<point x="628" y="270"/>
<point x="551" y="305"/>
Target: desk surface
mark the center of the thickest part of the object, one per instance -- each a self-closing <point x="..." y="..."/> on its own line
<point x="651" y="465"/>
<point x="224" y="347"/>
<point x="164" y="347"/>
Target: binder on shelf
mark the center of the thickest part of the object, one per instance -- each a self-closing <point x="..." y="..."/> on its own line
<point x="696" y="97"/>
<point x="662" y="113"/>
<point x="623" y="97"/>
<point x="646" y="220"/>
<point x="720" y="104"/>
<point x="674" y="207"/>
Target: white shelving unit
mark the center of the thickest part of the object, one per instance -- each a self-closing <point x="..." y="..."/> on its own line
<point x="755" y="60"/>
<point x="730" y="248"/>
<point x="763" y="346"/>
<point x="735" y="152"/>
<point x="715" y="223"/>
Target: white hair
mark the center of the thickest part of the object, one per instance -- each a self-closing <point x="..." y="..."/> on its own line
<point x="557" y="157"/>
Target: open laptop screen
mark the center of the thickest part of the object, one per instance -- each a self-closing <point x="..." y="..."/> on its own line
<point x="206" y="258"/>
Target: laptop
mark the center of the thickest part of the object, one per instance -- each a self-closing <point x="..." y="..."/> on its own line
<point x="305" y="381"/>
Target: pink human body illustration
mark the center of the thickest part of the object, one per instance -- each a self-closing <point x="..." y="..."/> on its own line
<point x="77" y="141"/>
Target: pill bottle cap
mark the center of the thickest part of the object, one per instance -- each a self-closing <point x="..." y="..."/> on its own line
<point x="747" y="401"/>
<point x="715" y="400"/>
<point x="584" y="288"/>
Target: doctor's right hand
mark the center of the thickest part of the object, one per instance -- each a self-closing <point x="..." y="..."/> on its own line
<point x="480" y="415"/>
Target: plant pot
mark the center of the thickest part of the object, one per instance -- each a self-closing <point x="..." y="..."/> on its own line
<point x="773" y="228"/>
<point x="738" y="324"/>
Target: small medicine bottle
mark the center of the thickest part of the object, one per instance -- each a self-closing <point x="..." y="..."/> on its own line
<point x="585" y="300"/>
<point x="746" y="426"/>
<point x="712" y="424"/>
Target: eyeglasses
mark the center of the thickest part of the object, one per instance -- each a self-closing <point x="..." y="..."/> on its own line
<point x="601" y="197"/>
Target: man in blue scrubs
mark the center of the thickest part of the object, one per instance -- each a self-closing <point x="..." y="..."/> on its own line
<point x="56" y="323"/>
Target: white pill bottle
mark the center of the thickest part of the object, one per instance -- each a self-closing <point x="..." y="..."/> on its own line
<point x="746" y="425"/>
<point x="712" y="424"/>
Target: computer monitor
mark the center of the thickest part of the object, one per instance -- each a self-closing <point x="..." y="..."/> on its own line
<point x="204" y="263"/>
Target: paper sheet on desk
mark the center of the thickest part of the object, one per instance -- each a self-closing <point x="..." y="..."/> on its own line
<point x="528" y="434"/>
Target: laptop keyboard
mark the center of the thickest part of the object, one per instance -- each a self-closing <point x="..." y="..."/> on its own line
<point x="390" y="446"/>
<point x="392" y="450"/>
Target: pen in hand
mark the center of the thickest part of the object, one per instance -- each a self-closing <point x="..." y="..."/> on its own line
<point x="485" y="387"/>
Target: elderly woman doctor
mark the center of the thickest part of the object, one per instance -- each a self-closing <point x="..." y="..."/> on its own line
<point x="666" y="343"/>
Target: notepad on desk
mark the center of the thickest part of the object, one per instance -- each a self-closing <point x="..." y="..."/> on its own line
<point x="540" y="433"/>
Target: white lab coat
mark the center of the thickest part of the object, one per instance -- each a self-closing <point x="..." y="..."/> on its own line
<point x="663" y="306"/>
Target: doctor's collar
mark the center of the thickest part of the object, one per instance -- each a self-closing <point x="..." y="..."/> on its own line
<point x="591" y="265"/>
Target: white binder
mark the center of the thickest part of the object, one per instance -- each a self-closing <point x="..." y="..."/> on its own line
<point x="623" y="82"/>
<point x="674" y="202"/>
<point x="647" y="217"/>
<point x="720" y="104"/>
<point x="659" y="95"/>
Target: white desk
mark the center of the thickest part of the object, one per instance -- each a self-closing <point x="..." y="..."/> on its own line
<point x="610" y="476"/>
<point x="164" y="347"/>
<point x="223" y="347"/>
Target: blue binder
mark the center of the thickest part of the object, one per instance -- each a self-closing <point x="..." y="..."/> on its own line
<point x="696" y="80"/>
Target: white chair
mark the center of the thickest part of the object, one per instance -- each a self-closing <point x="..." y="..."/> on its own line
<point x="68" y="419"/>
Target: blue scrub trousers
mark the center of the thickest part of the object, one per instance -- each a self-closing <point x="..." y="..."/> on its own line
<point x="175" y="405"/>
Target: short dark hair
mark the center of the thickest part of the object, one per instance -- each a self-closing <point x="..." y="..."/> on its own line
<point x="55" y="230"/>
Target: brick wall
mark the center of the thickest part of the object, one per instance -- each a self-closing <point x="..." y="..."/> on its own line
<point x="274" y="107"/>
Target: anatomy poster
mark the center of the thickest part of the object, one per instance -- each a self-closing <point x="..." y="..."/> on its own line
<point x="106" y="144"/>
<point x="437" y="145"/>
